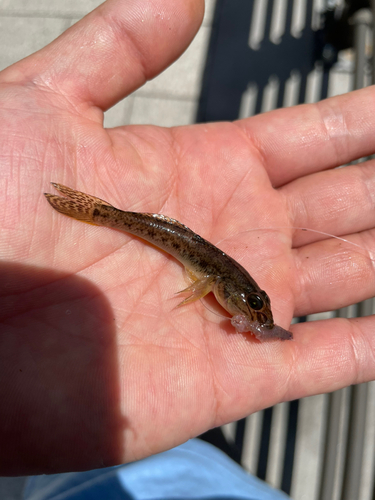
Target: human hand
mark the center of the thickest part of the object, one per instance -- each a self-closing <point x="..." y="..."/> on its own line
<point x="96" y="366"/>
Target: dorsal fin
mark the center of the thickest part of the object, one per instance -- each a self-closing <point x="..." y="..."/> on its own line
<point x="165" y="218"/>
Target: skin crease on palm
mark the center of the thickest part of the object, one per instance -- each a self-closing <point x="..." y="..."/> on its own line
<point x="97" y="367"/>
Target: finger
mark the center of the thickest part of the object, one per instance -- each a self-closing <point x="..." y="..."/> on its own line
<point x="339" y="202"/>
<point x="333" y="274"/>
<point x="331" y="354"/>
<point x="324" y="356"/>
<point x="297" y="141"/>
<point x="113" y="50"/>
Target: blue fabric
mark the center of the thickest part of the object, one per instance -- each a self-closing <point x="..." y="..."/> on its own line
<point x="193" y="471"/>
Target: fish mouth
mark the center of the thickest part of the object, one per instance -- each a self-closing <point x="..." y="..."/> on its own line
<point x="261" y="331"/>
<point x="264" y="320"/>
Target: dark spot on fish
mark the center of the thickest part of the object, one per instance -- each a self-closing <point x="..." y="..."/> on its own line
<point x="96" y="212"/>
<point x="196" y="237"/>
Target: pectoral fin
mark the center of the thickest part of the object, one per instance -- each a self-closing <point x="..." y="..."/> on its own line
<point x="198" y="289"/>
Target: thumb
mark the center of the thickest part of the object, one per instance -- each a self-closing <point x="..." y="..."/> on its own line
<point x="112" y="51"/>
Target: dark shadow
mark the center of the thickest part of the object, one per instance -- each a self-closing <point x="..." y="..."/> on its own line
<point x="290" y="446"/>
<point x="264" y="444"/>
<point x="59" y="376"/>
<point x="216" y="438"/>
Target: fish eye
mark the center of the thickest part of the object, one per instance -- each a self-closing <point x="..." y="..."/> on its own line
<point x="255" y="302"/>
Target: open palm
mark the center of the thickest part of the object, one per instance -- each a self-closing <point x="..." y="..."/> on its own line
<point x="97" y="367"/>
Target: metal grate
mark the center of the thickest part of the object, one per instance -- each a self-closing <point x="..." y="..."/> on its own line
<point x="265" y="54"/>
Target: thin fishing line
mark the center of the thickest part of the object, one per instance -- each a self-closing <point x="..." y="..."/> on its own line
<point x="213" y="312"/>
<point x="276" y="228"/>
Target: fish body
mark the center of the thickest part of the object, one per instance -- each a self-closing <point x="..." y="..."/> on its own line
<point x="209" y="267"/>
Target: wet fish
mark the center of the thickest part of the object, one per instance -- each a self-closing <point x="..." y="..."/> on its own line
<point x="210" y="269"/>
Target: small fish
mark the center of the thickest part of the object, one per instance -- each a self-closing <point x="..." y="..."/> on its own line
<point x="210" y="269"/>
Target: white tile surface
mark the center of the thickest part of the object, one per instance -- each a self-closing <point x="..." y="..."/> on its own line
<point x="309" y="447"/>
<point x="163" y="112"/>
<point x="209" y="12"/>
<point x="119" y="114"/>
<point x="21" y="36"/>
<point x="49" y="7"/>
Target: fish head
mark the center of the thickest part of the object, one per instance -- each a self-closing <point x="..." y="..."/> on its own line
<point x="254" y="305"/>
<point x="250" y="309"/>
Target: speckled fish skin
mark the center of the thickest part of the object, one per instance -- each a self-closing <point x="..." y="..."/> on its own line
<point x="209" y="267"/>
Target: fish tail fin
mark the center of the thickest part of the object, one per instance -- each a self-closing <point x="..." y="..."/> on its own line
<point x="75" y="204"/>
